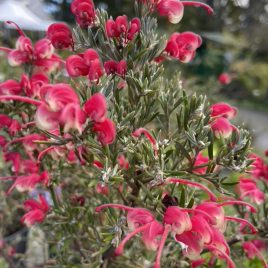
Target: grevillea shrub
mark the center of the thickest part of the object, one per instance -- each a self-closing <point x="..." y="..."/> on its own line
<point x="119" y="165"/>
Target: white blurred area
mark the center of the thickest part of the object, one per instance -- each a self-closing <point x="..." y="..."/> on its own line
<point x="28" y="14"/>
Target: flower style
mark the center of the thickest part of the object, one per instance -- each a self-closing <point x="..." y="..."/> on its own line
<point x="29" y="182"/>
<point x="37" y="211"/>
<point x="174" y="9"/>
<point x="142" y="131"/>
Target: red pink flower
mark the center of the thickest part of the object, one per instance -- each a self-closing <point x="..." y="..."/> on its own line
<point x="225" y="79"/>
<point x="182" y="46"/>
<point x="142" y="131"/>
<point x="122" y="29"/>
<point x="60" y="35"/>
<point x="86" y="64"/>
<point x="36" y="211"/>
<point x="174" y="9"/>
<point x="113" y="67"/>
<point x="106" y="131"/>
<point x="96" y="107"/>
<point x="84" y="12"/>
<point x="222" y="109"/>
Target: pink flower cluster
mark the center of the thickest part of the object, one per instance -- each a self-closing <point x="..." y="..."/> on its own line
<point x="121" y="29"/>
<point x="89" y="64"/>
<point x="195" y="229"/>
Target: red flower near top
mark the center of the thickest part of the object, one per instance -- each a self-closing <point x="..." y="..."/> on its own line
<point x="84" y="12"/>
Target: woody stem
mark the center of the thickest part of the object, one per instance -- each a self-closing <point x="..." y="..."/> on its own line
<point x="252" y="227"/>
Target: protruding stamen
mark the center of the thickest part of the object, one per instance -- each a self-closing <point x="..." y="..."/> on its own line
<point x="20" y="98"/>
<point x="238" y="202"/>
<point x="44" y="152"/>
<point x="5" y="49"/>
<point x="123" y="207"/>
<point x="29" y="124"/>
<point x="195" y="184"/>
<point x="228" y="259"/>
<point x="120" y="248"/>
<point x="193" y="210"/>
<point x="199" y="4"/>
<point x="146" y="133"/>
<point x="251" y="226"/>
<point x="8" y="178"/>
<point x="19" y="30"/>
<point x="161" y="246"/>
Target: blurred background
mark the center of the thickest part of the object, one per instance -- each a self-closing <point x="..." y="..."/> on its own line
<point x="234" y="42"/>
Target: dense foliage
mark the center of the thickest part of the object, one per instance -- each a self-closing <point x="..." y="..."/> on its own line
<point x="109" y="148"/>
